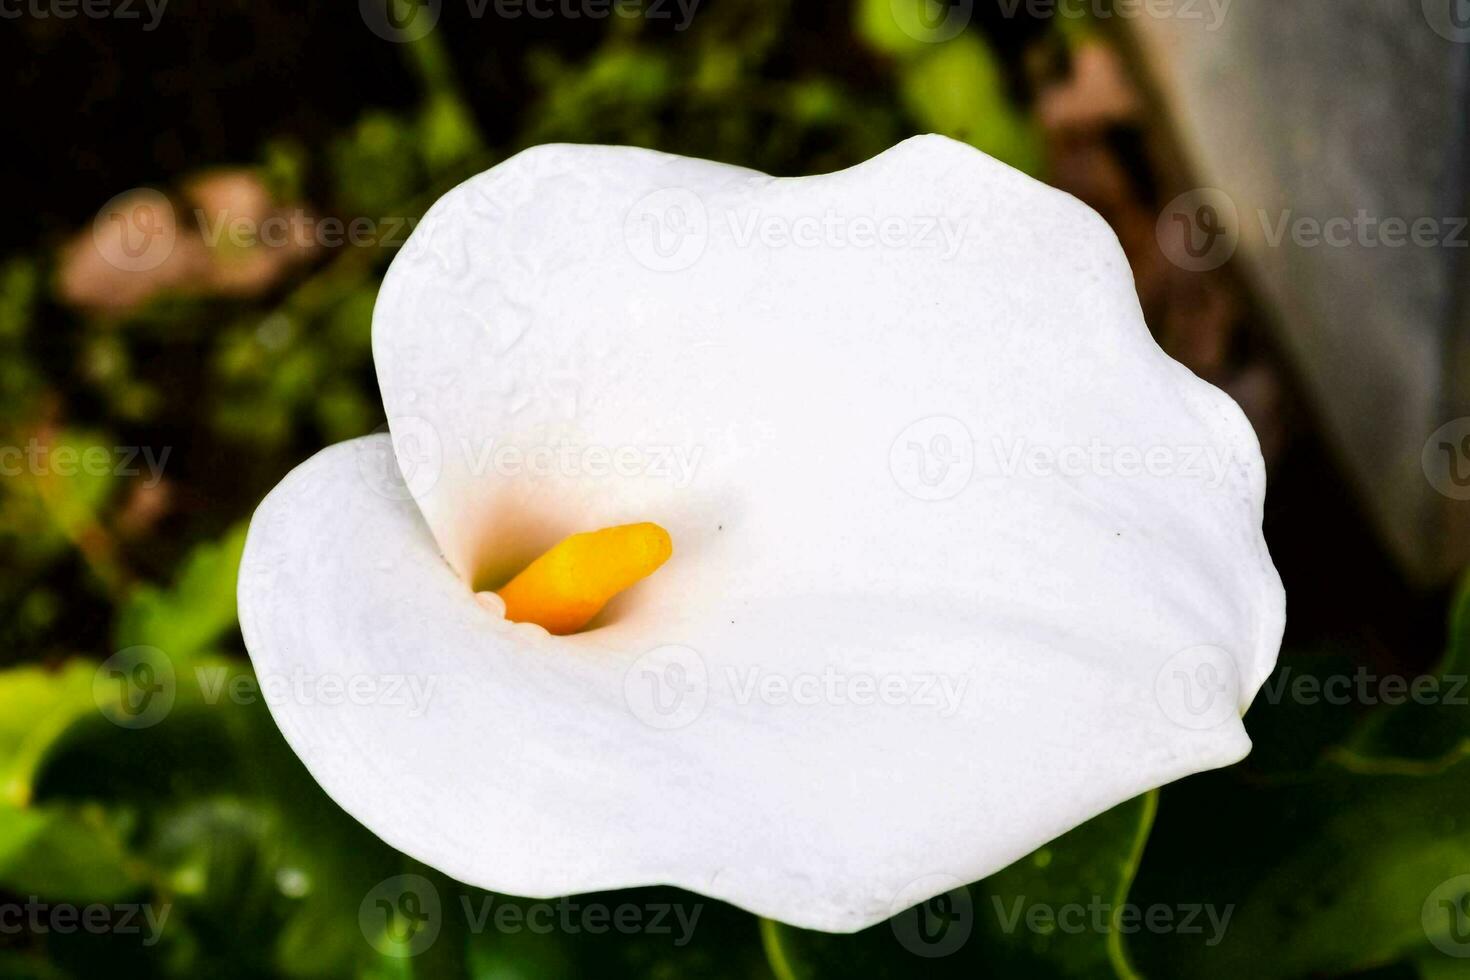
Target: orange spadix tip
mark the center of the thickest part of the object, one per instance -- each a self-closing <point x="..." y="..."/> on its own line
<point x="566" y="587"/>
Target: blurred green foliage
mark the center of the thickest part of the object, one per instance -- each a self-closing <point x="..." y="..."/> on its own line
<point x="120" y="588"/>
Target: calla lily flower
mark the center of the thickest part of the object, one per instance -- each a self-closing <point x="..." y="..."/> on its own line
<point x="927" y="553"/>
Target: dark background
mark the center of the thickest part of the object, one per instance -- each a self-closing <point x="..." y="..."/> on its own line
<point x="244" y="360"/>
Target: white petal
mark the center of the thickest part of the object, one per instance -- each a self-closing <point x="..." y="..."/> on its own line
<point x="858" y="526"/>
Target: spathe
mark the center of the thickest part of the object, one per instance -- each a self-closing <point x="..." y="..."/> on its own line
<point x="940" y="455"/>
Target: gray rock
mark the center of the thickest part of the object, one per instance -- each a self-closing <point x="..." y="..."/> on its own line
<point x="1352" y="112"/>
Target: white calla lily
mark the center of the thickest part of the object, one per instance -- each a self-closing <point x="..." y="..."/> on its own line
<point x="960" y="557"/>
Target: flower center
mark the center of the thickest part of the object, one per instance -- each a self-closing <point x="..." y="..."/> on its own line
<point x="564" y="588"/>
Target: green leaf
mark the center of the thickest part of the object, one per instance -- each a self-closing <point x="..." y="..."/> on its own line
<point x="64" y="851"/>
<point x="956" y="89"/>
<point x="17" y="966"/>
<point x="1340" y="881"/>
<point x="903" y="28"/>
<point x="55" y="500"/>
<point x="1435" y="965"/>
<point x="19" y="289"/>
<point x="447" y="134"/>
<point x="263" y="872"/>
<point x="67" y="853"/>
<point x="653" y="933"/>
<point x="1434" y="723"/>
<point x="1048" y="914"/>
<point x="186" y="618"/>
<point x="37" y="707"/>
<point x="376" y="166"/>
